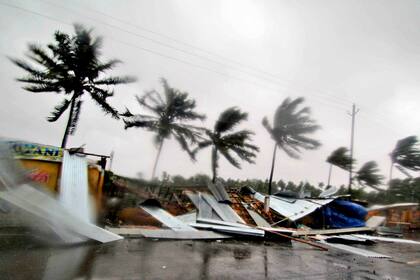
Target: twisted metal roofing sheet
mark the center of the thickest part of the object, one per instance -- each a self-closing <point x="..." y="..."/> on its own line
<point x="293" y="209"/>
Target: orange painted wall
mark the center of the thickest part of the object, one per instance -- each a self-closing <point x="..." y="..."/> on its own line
<point x="47" y="174"/>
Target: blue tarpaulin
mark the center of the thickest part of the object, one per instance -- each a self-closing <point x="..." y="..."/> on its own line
<point x="344" y="214"/>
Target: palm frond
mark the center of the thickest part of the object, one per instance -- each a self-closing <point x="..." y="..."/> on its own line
<point x="100" y="99"/>
<point x="102" y="67"/>
<point x="291" y="126"/>
<point x="115" y="80"/>
<point x="407" y="153"/>
<point x="226" y="154"/>
<point x="341" y="158"/>
<point x="36" y="73"/>
<point x="368" y="175"/>
<point x="228" y="119"/>
<point x="59" y="110"/>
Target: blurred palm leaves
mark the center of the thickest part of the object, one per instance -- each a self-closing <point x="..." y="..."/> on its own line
<point x="169" y="115"/>
<point x="71" y="65"/>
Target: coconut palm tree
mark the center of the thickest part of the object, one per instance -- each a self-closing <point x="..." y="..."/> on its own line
<point x="341" y="159"/>
<point x="71" y="65"/>
<point x="227" y="142"/>
<point x="170" y="112"/>
<point x="290" y="129"/>
<point x="368" y="175"/>
<point x="406" y="154"/>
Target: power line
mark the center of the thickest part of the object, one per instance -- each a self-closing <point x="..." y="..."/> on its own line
<point x="283" y="83"/>
<point x="161" y="54"/>
<point x="323" y="98"/>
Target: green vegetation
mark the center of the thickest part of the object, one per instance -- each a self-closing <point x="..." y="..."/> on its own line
<point x="406" y="154"/>
<point x="224" y="141"/>
<point x="290" y="129"/>
<point x="341" y="159"/>
<point x="71" y="66"/>
<point x="170" y="113"/>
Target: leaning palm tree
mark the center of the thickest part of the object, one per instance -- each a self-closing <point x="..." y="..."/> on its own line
<point x="406" y="154"/>
<point x="368" y="175"/>
<point x="290" y="129"/>
<point x="71" y="66"/>
<point x="341" y="159"/>
<point x="170" y="113"/>
<point x="227" y="142"/>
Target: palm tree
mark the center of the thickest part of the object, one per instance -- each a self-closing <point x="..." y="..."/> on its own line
<point x="71" y="65"/>
<point x="225" y="141"/>
<point x="290" y="129"/>
<point x="406" y="154"/>
<point x="341" y="159"/>
<point x="368" y="175"/>
<point x="169" y="114"/>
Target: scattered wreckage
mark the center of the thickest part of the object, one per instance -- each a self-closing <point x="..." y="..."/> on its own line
<point x="336" y="222"/>
<point x="210" y="213"/>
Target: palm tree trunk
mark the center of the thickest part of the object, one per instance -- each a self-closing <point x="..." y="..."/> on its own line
<point x="390" y="173"/>
<point x="272" y="168"/>
<point x="329" y="175"/>
<point x="214" y="164"/>
<point x="157" y="159"/>
<point x="67" y="131"/>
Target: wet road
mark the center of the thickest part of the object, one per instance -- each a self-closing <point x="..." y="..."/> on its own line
<point x="23" y="258"/>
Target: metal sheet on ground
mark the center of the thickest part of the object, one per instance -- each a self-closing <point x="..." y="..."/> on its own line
<point x="357" y="251"/>
<point x="45" y="207"/>
<point x="219" y="191"/>
<point x="199" y="202"/>
<point x="293" y="209"/>
<point x="231" y="230"/>
<point x="170" y="234"/>
<point x="331" y="231"/>
<point x="188" y="218"/>
<point x="166" y="218"/>
<point x="387" y="239"/>
<point x="222" y="223"/>
<point x="223" y="210"/>
<point x="260" y="221"/>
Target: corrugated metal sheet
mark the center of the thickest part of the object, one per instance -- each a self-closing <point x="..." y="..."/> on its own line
<point x="202" y="206"/>
<point x="166" y="218"/>
<point x="168" y="233"/>
<point x="293" y="209"/>
<point x="223" y="210"/>
<point x="357" y="251"/>
<point x="260" y="221"/>
<point x="188" y="218"/>
<point x="219" y="191"/>
<point x="231" y="230"/>
<point x="386" y="239"/>
<point x="383" y="207"/>
<point x="47" y="208"/>
<point x="74" y="191"/>
<point x="221" y="223"/>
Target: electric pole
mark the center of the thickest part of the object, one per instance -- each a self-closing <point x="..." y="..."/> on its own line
<point x="353" y="113"/>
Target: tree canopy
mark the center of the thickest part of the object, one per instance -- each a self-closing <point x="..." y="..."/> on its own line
<point x="227" y="142"/>
<point x="71" y="65"/>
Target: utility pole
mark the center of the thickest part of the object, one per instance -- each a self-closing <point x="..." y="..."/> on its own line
<point x="353" y="113"/>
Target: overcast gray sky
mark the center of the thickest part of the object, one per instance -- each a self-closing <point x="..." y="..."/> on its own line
<point x="250" y="54"/>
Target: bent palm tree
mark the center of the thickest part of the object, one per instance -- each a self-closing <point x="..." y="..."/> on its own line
<point x="225" y="142"/>
<point x="169" y="114"/>
<point x="71" y="66"/>
<point x="368" y="175"/>
<point x="341" y="159"/>
<point x="406" y="154"/>
<point x="290" y="129"/>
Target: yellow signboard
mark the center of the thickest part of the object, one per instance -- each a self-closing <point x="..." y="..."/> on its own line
<point x="25" y="150"/>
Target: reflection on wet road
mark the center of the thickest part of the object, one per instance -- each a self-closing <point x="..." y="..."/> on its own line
<point x="21" y="258"/>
